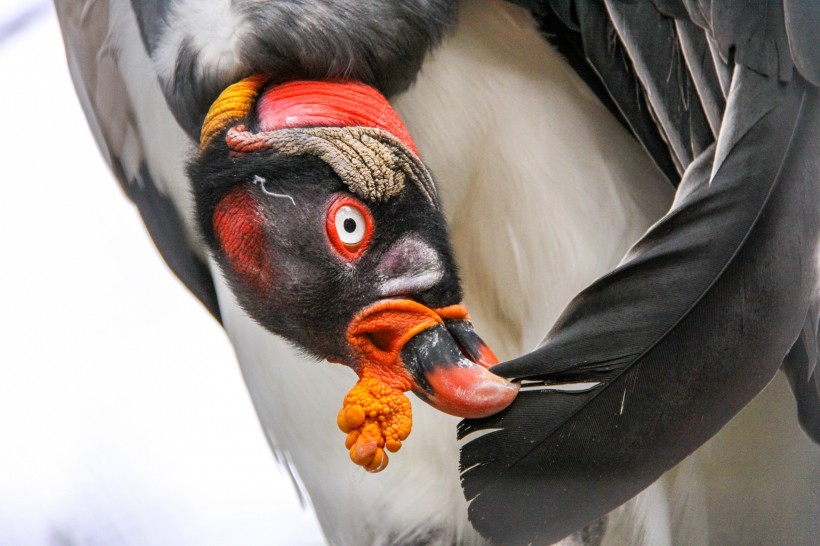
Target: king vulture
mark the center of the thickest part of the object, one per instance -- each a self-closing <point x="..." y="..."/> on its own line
<point x="631" y="206"/>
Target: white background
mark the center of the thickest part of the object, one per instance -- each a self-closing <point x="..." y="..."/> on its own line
<point x="123" y="415"/>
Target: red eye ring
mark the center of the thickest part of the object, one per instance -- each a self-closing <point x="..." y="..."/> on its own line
<point x="349" y="226"/>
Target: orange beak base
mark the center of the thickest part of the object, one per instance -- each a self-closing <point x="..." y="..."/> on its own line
<point x="402" y="345"/>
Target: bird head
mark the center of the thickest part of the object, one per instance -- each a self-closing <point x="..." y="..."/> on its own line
<point x="327" y="226"/>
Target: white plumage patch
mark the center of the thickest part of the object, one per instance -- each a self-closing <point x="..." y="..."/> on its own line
<point x="544" y="191"/>
<point x="215" y="31"/>
<point x="148" y="131"/>
<point x="297" y="399"/>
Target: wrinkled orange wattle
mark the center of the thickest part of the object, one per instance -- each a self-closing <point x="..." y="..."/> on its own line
<point x="376" y="415"/>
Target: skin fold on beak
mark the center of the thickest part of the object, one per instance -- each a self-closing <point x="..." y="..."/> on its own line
<point x="400" y="345"/>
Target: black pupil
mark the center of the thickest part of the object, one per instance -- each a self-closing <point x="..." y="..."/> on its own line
<point x="349" y="225"/>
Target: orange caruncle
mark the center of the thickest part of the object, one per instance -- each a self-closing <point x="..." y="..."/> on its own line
<point x="375" y="416"/>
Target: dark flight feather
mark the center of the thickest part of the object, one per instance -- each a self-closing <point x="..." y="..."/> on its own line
<point x="584" y="30"/>
<point x="651" y="41"/>
<point x="93" y="63"/>
<point x="690" y="327"/>
<point x="681" y="336"/>
<point x="696" y="52"/>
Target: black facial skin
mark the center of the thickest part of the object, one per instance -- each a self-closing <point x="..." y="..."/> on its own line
<point x="315" y="292"/>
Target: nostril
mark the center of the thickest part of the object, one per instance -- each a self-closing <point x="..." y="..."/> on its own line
<point x="409" y="267"/>
<point x="382" y="340"/>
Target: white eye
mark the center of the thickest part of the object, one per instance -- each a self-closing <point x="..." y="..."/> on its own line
<point x="350" y="225"/>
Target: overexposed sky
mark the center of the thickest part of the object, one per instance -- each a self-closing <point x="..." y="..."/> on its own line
<point x="123" y="416"/>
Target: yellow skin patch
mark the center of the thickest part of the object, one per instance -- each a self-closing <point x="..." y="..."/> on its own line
<point x="230" y="107"/>
<point x="375" y="417"/>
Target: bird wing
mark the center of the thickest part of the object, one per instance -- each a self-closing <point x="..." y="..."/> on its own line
<point x="129" y="119"/>
<point x="707" y="306"/>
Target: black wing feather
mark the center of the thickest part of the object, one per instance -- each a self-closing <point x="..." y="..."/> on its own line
<point x="584" y="30"/>
<point x="802" y="22"/>
<point x="698" y="57"/>
<point x="803" y="374"/>
<point x="700" y="314"/>
<point x="715" y="294"/>
<point x="651" y="41"/>
<point x="166" y="228"/>
<point x="86" y="32"/>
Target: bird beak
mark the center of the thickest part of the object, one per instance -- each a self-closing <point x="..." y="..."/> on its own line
<point x="434" y="352"/>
